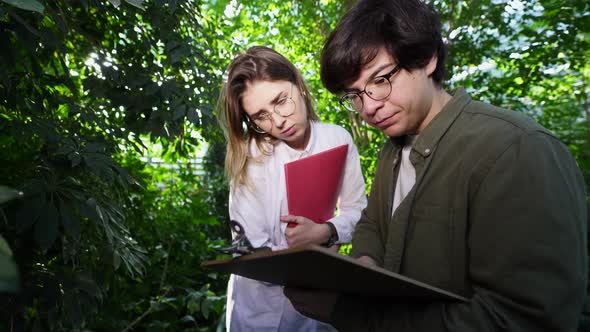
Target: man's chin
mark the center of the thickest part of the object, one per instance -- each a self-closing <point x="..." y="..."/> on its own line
<point x="394" y="131"/>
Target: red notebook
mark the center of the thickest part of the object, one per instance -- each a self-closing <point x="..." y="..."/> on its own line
<point x="313" y="184"/>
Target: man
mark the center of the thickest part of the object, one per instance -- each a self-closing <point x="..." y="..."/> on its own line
<point x="467" y="197"/>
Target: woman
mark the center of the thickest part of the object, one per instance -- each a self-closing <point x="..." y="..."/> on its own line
<point x="269" y="120"/>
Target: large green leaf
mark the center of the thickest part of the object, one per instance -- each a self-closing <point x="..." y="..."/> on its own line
<point x="115" y="3"/>
<point x="70" y="220"/>
<point x="46" y="228"/>
<point x="4" y="248"/>
<point x="136" y="3"/>
<point x="8" y="272"/>
<point x="32" y="5"/>
<point x="7" y="194"/>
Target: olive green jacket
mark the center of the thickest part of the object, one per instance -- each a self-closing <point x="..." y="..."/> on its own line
<point x="497" y="215"/>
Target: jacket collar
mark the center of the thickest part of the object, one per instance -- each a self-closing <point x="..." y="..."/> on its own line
<point x="439" y="125"/>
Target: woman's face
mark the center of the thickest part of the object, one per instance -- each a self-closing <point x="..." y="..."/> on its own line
<point x="278" y="108"/>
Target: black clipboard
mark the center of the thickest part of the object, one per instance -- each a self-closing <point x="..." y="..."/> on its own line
<point x="316" y="267"/>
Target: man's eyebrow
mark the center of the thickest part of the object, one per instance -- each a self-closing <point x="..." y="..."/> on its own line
<point x="372" y="76"/>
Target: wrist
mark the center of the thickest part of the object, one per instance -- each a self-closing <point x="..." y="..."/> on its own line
<point x="332" y="235"/>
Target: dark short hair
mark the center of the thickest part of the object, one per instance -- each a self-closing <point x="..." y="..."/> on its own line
<point x="409" y="30"/>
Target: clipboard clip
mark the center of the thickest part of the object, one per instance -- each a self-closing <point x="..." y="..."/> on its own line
<point x="240" y="244"/>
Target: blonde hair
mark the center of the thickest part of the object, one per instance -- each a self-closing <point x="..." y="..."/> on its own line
<point x="257" y="63"/>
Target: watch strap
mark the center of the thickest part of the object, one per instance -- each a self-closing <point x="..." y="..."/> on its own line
<point x="333" y="235"/>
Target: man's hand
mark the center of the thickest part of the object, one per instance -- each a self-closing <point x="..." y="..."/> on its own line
<point x="315" y="304"/>
<point x="305" y="232"/>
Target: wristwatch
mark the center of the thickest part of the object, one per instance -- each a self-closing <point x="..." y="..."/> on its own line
<point x="333" y="236"/>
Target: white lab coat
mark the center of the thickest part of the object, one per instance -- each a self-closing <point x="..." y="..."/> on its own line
<point x="257" y="306"/>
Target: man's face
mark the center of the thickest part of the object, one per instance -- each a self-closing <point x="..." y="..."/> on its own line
<point x="407" y="109"/>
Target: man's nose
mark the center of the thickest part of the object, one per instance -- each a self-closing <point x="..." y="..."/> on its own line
<point x="370" y="106"/>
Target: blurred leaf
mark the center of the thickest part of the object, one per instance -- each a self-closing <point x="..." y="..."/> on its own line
<point x="46" y="229"/>
<point x="28" y="213"/>
<point x="4" y="248"/>
<point x="188" y="319"/>
<point x="75" y="158"/>
<point x="9" y="281"/>
<point x="7" y="194"/>
<point x="69" y="220"/>
<point x="32" y="5"/>
<point x="116" y="261"/>
<point x="136" y="3"/>
<point x="73" y="311"/>
<point x="115" y="3"/>
<point x="89" y="286"/>
<point x="206" y="308"/>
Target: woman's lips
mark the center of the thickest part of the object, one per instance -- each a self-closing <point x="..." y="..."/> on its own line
<point x="289" y="131"/>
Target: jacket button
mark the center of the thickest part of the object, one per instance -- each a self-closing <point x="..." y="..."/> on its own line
<point x="427" y="151"/>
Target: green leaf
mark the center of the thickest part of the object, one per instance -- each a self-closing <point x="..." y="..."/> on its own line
<point x="4" y="248"/>
<point x="89" y="210"/>
<point x="206" y="308"/>
<point x="29" y="212"/>
<point x="156" y="306"/>
<point x="188" y="319"/>
<point x="194" y="306"/>
<point x="8" y="275"/>
<point x="69" y="220"/>
<point x="193" y="117"/>
<point x="71" y="307"/>
<point x="100" y="165"/>
<point x="75" y="158"/>
<point x="136" y="3"/>
<point x="7" y="194"/>
<point x="116" y="261"/>
<point x="64" y="150"/>
<point x="179" y="112"/>
<point x="9" y="281"/>
<point x="89" y="286"/>
<point x="115" y="3"/>
<point x="46" y="229"/>
<point x="31" y="5"/>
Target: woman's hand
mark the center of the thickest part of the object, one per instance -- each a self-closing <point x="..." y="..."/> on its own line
<point x="305" y="232"/>
<point x="367" y="260"/>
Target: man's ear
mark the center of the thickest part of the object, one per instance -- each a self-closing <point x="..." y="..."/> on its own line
<point x="431" y="66"/>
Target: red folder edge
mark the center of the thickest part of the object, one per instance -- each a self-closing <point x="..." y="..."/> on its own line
<point x="313" y="184"/>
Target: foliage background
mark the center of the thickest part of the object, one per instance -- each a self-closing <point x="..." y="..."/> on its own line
<point x="104" y="106"/>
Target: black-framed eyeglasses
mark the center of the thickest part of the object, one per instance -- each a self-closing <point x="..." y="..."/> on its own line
<point x="261" y="122"/>
<point x="377" y="88"/>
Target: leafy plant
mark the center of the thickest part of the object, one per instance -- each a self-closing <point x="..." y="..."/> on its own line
<point x="82" y="84"/>
<point x="93" y="91"/>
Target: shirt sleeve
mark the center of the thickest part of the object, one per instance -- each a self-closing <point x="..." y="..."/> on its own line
<point x="352" y="199"/>
<point x="247" y="206"/>
<point x="527" y="260"/>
